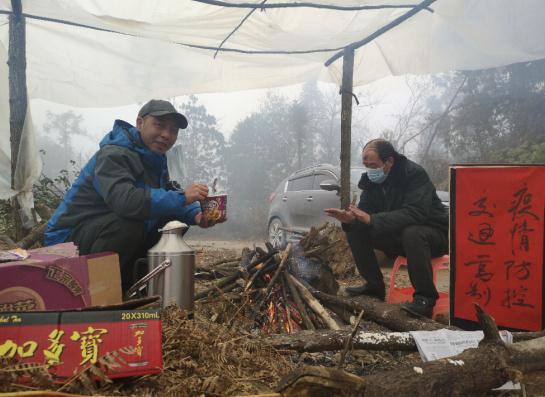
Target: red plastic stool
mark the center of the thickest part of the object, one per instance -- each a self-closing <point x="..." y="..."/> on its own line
<point x="397" y="295"/>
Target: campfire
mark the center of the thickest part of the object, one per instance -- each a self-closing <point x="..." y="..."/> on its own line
<point x="273" y="287"/>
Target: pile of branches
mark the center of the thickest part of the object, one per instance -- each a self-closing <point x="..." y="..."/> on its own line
<point x="260" y="287"/>
<point x="328" y="243"/>
<point x="338" y="255"/>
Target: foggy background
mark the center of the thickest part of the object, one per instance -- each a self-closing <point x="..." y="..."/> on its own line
<point x="251" y="140"/>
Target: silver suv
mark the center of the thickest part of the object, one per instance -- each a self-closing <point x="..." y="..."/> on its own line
<point x="299" y="201"/>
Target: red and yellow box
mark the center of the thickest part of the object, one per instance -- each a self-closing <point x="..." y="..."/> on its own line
<point x="69" y="342"/>
<point x="55" y="278"/>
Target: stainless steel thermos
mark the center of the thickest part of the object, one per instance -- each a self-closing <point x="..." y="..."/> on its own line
<point x="176" y="284"/>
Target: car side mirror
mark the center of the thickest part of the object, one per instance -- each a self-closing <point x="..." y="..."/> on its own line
<point x="330" y="185"/>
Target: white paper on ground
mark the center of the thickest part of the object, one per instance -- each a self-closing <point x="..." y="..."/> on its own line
<point x="443" y="343"/>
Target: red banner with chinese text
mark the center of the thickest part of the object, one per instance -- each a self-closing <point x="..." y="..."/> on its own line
<point x="498" y="243"/>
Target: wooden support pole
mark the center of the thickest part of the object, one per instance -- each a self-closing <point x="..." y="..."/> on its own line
<point x="17" y="94"/>
<point x="346" y="124"/>
<point x="17" y="81"/>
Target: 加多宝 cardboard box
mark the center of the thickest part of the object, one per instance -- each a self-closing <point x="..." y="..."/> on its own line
<point x="120" y="343"/>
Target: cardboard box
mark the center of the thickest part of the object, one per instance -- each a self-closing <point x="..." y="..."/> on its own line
<point x="55" y="278"/>
<point x="69" y="342"/>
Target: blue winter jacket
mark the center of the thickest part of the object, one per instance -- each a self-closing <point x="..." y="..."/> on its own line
<point x="123" y="177"/>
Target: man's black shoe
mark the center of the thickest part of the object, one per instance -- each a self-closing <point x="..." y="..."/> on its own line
<point x="366" y="289"/>
<point x="420" y="306"/>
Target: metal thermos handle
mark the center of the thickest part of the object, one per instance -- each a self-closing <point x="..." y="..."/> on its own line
<point x="144" y="280"/>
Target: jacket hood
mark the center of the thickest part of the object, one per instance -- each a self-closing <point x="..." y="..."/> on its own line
<point x="396" y="172"/>
<point x="126" y="135"/>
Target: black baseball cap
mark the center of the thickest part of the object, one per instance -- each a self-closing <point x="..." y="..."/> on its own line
<point x="158" y="107"/>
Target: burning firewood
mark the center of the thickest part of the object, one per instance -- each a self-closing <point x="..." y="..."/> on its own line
<point x="314" y="304"/>
<point x="273" y="284"/>
<point x="300" y="305"/>
<point x="277" y="273"/>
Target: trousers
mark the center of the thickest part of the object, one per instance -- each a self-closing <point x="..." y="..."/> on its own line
<point x="418" y="243"/>
<point x="126" y="237"/>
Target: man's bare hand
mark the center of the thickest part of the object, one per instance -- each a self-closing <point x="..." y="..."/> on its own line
<point x="195" y="192"/>
<point x="360" y="215"/>
<point x="341" y="215"/>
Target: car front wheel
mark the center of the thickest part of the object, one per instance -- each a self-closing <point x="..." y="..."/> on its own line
<point x="277" y="236"/>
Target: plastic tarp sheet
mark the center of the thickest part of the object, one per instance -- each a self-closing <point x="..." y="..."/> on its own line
<point x="143" y="48"/>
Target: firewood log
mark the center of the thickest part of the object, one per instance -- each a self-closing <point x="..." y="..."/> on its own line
<point x="330" y="340"/>
<point x="473" y="372"/>
<point x="299" y="303"/>
<point x="313" y="303"/>
<point x="390" y="316"/>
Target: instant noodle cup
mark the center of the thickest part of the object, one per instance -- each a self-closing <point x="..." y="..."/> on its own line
<point x="214" y="208"/>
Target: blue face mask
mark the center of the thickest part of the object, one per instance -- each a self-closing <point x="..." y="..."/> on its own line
<point x="376" y="175"/>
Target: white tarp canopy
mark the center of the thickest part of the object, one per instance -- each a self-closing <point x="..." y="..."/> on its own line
<point x="145" y="49"/>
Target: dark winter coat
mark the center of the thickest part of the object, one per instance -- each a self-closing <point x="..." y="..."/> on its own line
<point x="407" y="197"/>
<point x="123" y="177"/>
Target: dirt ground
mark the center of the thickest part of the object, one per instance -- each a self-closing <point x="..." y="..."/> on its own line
<point x="361" y="362"/>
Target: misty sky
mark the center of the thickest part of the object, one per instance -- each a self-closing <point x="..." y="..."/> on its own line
<point x="389" y="96"/>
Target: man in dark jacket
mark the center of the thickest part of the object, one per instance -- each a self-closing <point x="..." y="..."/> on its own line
<point x="122" y="196"/>
<point x="399" y="213"/>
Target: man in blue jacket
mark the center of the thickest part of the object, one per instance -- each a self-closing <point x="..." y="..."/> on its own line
<point x="122" y="196"/>
<point x="399" y="213"/>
